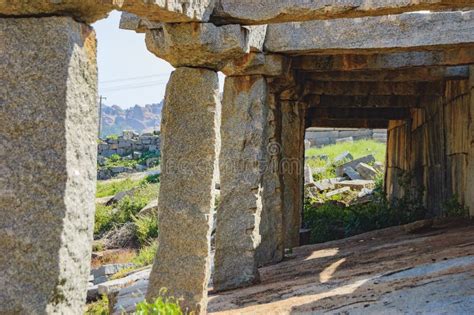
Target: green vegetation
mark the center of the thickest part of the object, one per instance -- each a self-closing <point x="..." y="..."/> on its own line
<point x="112" y="137"/>
<point x="146" y="228"/>
<point x="332" y="220"/>
<point x="161" y="306"/>
<point x="107" y="217"/>
<point x="146" y="255"/>
<point x="116" y="160"/>
<point x="100" y="307"/>
<point x="452" y="208"/>
<point x="357" y="149"/>
<point x="110" y="188"/>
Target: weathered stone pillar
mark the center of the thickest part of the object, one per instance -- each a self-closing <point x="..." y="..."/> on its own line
<point x="48" y="147"/>
<point x="292" y="168"/>
<point x="242" y="162"/>
<point x="190" y="142"/>
<point x="470" y="168"/>
<point x="271" y="248"/>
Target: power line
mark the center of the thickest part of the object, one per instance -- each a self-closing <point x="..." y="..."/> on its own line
<point x="134" y="86"/>
<point x="135" y="78"/>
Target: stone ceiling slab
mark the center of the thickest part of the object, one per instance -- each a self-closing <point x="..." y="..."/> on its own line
<point x="92" y="10"/>
<point x="398" y="75"/>
<point x="373" y="88"/>
<point x="278" y="11"/>
<point x="385" y="61"/>
<point x="198" y="44"/>
<point x="371" y="101"/>
<point x="402" y="32"/>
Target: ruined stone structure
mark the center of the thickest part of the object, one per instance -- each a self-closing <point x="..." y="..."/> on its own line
<point x="289" y="65"/>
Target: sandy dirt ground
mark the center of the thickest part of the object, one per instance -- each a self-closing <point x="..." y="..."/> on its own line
<point x="382" y="272"/>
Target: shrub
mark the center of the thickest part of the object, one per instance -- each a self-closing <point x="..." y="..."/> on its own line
<point x="104" y="219"/>
<point x="146" y="229"/>
<point x="129" y="207"/>
<point x="151" y="179"/>
<point x="161" y="305"/>
<point x="452" y="208"/>
<point x="146" y="255"/>
<point x="114" y="158"/>
<point x="100" y="307"/>
<point x="333" y="220"/>
<point x="112" y="137"/>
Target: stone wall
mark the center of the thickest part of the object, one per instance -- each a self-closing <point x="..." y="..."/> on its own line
<point x="325" y="136"/>
<point x="128" y="143"/>
<point x="433" y="148"/>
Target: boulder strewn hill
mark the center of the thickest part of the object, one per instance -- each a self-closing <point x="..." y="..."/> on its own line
<point x="138" y="118"/>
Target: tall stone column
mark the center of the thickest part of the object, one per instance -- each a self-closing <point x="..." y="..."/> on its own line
<point x="271" y="248"/>
<point x="48" y="147"/>
<point x="469" y="195"/>
<point x="242" y="161"/>
<point x="190" y="144"/>
<point x="292" y="168"/>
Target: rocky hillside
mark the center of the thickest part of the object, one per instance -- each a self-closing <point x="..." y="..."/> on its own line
<point x="138" y="118"/>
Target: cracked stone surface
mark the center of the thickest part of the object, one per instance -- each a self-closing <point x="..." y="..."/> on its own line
<point x="190" y="131"/>
<point x="48" y="128"/>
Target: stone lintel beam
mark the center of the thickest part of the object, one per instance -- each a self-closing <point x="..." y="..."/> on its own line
<point x="379" y="113"/>
<point x="269" y="65"/>
<point x="48" y="149"/>
<point x="203" y="44"/>
<point x="370" y="101"/>
<point x="374" y="88"/>
<point x="92" y="10"/>
<point x="385" y="61"/>
<point x="398" y="75"/>
<point x="244" y="140"/>
<point x="190" y="129"/>
<point x="278" y="11"/>
<point x="408" y="31"/>
<point x="348" y="123"/>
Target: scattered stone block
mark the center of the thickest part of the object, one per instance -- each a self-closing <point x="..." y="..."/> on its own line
<point x="357" y="185"/>
<point x="365" y="159"/>
<point x="379" y="167"/>
<point x="338" y="191"/>
<point x="115" y="285"/>
<point x="365" y="192"/>
<point x="150" y="209"/>
<point x="327" y="184"/>
<point x="308" y="175"/>
<point x="348" y="139"/>
<point x="351" y="173"/>
<point x="366" y="171"/>
<point x="343" y="157"/>
<point x="119" y="196"/>
<point x="307" y="144"/>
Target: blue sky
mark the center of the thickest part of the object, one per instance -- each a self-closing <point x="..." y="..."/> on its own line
<point x="123" y="55"/>
<point x="128" y="73"/>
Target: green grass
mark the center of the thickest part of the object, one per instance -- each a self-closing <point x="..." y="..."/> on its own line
<point x="357" y="149"/>
<point x="146" y="255"/>
<point x="331" y="220"/>
<point x="126" y="209"/>
<point x="161" y="305"/>
<point x="110" y="188"/>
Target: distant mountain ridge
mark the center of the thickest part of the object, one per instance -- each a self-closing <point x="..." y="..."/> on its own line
<point x="137" y="118"/>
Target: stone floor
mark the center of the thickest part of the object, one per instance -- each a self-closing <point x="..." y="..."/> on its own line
<point x="388" y="271"/>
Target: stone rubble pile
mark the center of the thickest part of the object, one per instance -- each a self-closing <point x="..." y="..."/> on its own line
<point x="129" y="146"/>
<point x="352" y="175"/>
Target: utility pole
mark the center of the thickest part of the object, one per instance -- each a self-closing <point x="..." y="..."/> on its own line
<point x="101" y="98"/>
